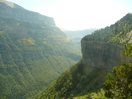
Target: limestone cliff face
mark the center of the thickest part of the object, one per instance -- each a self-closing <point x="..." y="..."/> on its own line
<point x="104" y="47"/>
<point x="100" y="54"/>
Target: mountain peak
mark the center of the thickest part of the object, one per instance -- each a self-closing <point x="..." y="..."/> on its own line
<point x="129" y="14"/>
<point x="10" y="4"/>
<point x="127" y="17"/>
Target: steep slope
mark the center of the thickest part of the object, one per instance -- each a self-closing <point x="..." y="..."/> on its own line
<point x="33" y="51"/>
<point x="101" y="51"/>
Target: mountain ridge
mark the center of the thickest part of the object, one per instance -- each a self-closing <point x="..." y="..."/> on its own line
<point x="33" y="52"/>
<point x="10" y="4"/>
<point x="22" y="14"/>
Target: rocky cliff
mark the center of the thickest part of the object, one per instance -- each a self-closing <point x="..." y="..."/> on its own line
<point x="99" y="54"/>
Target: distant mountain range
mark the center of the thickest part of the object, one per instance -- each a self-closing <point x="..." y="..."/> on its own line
<point x="33" y="51"/>
<point x="101" y="51"/>
<point x="77" y="35"/>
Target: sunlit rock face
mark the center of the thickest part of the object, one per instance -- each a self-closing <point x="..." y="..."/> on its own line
<point x="100" y="54"/>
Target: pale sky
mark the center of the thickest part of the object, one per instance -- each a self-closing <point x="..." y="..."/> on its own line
<point x="80" y="14"/>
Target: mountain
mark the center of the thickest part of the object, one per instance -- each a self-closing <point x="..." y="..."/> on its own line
<point x="33" y="51"/>
<point x="100" y="52"/>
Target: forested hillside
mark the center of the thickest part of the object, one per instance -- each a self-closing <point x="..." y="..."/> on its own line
<point x="33" y="51"/>
<point x="101" y="51"/>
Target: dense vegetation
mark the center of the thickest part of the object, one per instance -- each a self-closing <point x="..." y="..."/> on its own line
<point x="119" y="82"/>
<point x="73" y="83"/>
<point x="120" y="32"/>
<point x="101" y="51"/>
<point x="33" y="52"/>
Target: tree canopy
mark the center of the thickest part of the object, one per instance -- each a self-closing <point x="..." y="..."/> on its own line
<point x="119" y="83"/>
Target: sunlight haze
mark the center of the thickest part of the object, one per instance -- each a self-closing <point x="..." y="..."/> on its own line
<point x="79" y="14"/>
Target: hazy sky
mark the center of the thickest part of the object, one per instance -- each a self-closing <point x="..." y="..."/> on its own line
<point x="80" y="14"/>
